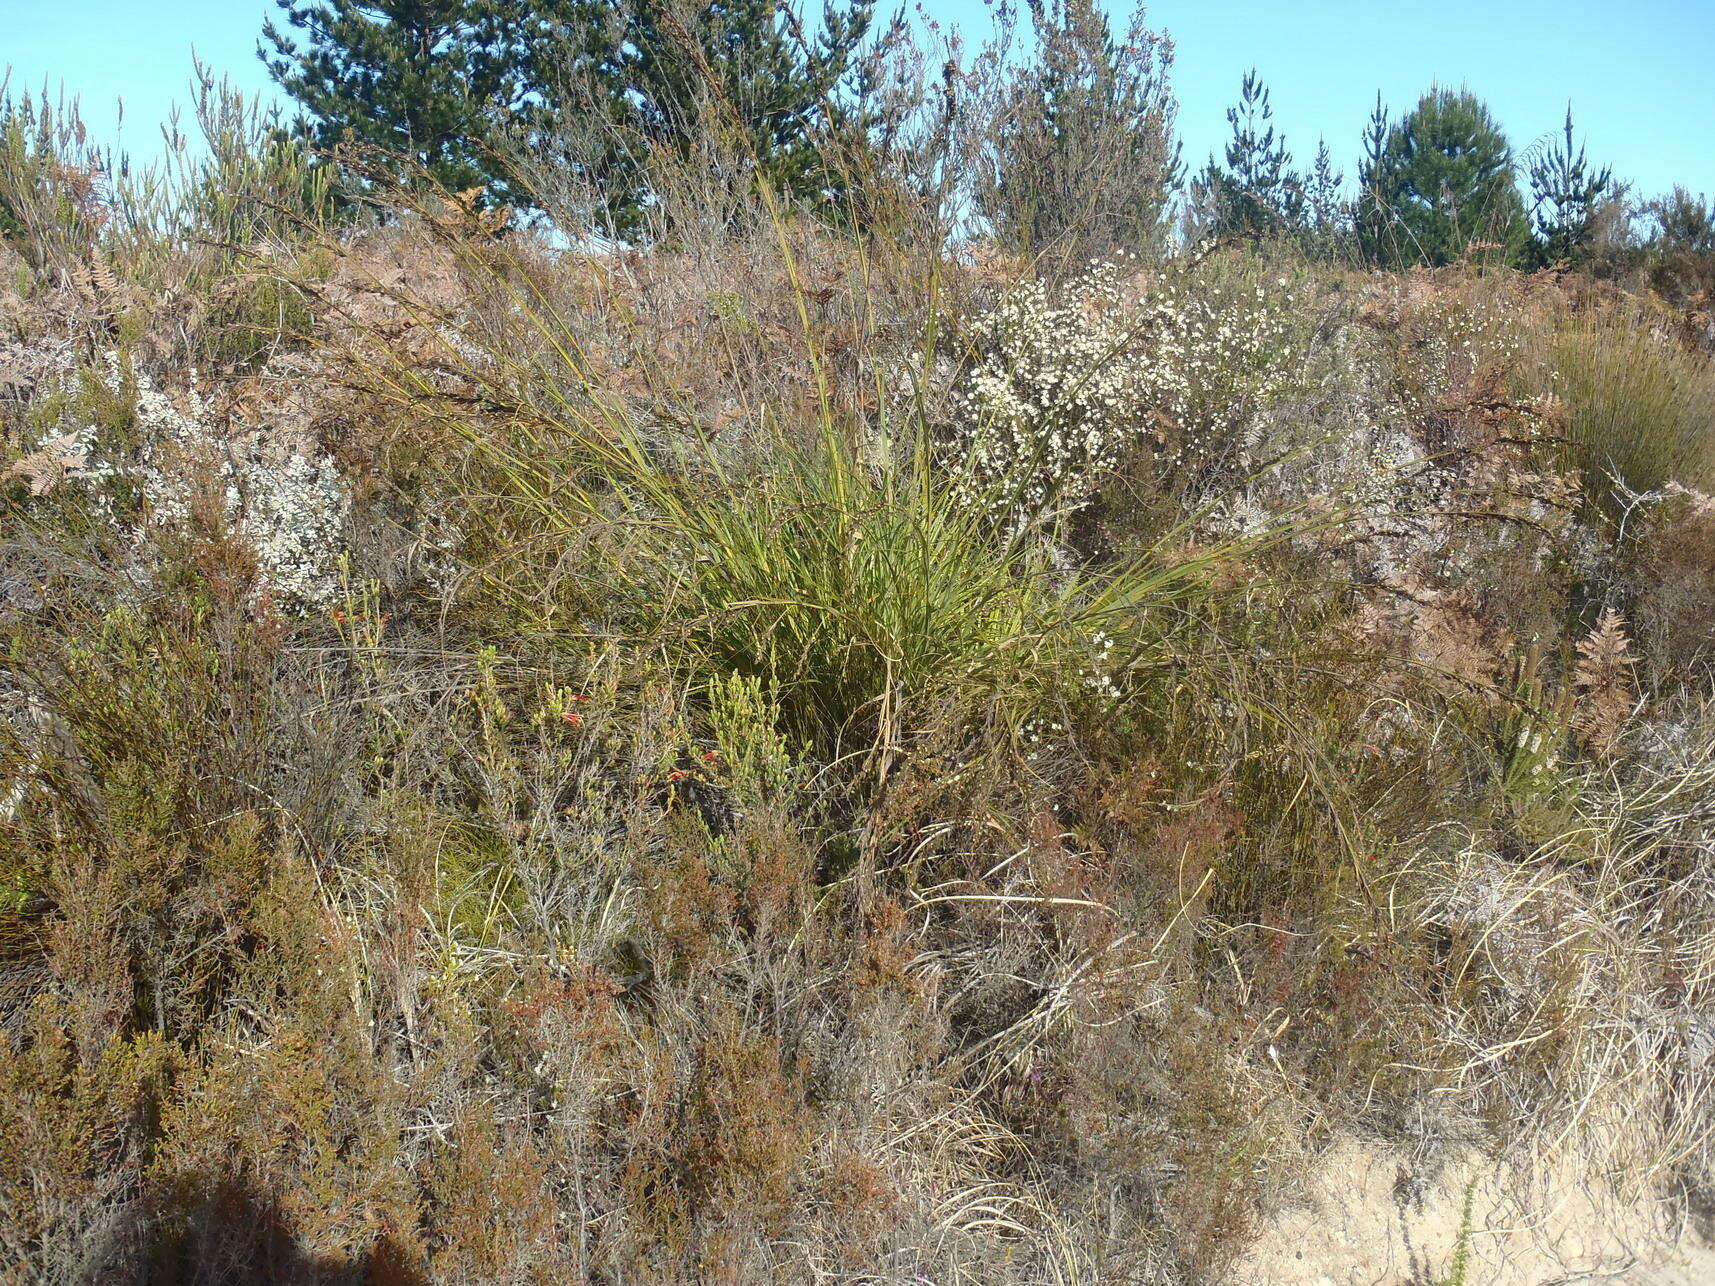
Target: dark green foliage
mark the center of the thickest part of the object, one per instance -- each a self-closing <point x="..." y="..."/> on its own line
<point x="1371" y="216"/>
<point x="745" y="67"/>
<point x="1567" y="196"/>
<point x="1257" y="194"/>
<point x="457" y="89"/>
<point x="659" y="92"/>
<point x="423" y="81"/>
<point x="1438" y="187"/>
<point x="1678" y="253"/>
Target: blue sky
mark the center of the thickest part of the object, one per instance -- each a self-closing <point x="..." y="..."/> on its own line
<point x="1639" y="74"/>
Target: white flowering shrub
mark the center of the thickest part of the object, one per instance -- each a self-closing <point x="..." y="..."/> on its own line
<point x="146" y="467"/>
<point x="1055" y="395"/>
<point x="1217" y="358"/>
<point x="1064" y="388"/>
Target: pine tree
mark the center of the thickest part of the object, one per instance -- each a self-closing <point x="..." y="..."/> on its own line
<point x="451" y="88"/>
<point x="1257" y="194"/>
<point x="1438" y="187"/>
<point x="1373" y="219"/>
<point x="1567" y="199"/>
<point x="1324" y="223"/>
<point x="423" y="82"/>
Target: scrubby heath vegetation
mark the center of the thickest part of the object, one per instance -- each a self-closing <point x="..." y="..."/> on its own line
<point x="935" y="713"/>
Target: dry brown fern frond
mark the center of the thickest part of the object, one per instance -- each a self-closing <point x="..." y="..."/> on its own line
<point x="463" y="214"/>
<point x="98" y="286"/>
<point x="1603" y="679"/>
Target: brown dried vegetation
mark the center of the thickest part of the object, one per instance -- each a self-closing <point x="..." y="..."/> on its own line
<point x="570" y="893"/>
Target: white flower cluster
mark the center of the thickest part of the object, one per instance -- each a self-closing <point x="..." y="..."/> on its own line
<point x="1040" y="735"/>
<point x="1064" y="388"/>
<point x="1217" y="359"/>
<point x="1457" y="341"/>
<point x="290" y="506"/>
<point x="1054" y="397"/>
<point x="294" y="516"/>
<point x="1098" y="674"/>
